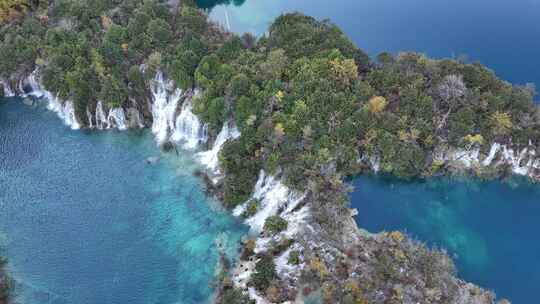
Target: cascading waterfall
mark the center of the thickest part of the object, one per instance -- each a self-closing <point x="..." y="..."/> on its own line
<point x="36" y="89"/>
<point x="20" y="87"/>
<point x="8" y="92"/>
<point x="189" y="129"/>
<point x="30" y="87"/>
<point x="164" y="108"/>
<point x="117" y="118"/>
<point x="169" y="123"/>
<point x="89" y="118"/>
<point x="210" y="158"/>
<point x="64" y="110"/>
<point x="167" y="126"/>
<point x="101" y="119"/>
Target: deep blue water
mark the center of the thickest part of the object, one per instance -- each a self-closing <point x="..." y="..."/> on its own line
<point x="85" y="219"/>
<point x="500" y="34"/>
<point x="489" y="227"/>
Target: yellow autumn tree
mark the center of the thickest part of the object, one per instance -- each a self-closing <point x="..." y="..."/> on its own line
<point x="344" y="70"/>
<point x="13" y="9"/>
<point x="501" y="123"/>
<point x="474" y="139"/>
<point x="279" y="131"/>
<point x="376" y="104"/>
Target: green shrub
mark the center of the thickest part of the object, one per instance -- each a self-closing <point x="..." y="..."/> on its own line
<point x="294" y="257"/>
<point x="265" y="272"/>
<point x="252" y="208"/>
<point x="275" y="224"/>
<point x="235" y="296"/>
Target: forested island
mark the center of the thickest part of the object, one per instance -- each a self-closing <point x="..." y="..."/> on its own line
<point x="299" y="110"/>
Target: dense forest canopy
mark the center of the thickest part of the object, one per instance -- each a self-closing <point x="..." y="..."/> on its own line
<point x="308" y="101"/>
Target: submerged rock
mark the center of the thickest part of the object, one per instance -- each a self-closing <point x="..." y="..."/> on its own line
<point x="28" y="101"/>
<point x="153" y="160"/>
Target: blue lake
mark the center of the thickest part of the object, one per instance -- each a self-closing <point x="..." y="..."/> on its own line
<point x="489" y="227"/>
<point x="84" y="219"/>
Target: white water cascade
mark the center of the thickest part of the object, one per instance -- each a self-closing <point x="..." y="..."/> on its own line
<point x="189" y="129"/>
<point x="8" y="92"/>
<point x="64" y="110"/>
<point x="89" y="118"/>
<point x="101" y="119"/>
<point x="166" y="125"/>
<point x="210" y="158"/>
<point x="117" y="119"/>
<point x="35" y="88"/>
<point x="163" y="108"/>
<point x="522" y="162"/>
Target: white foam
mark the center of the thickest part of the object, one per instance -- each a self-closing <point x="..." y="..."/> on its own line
<point x="184" y="128"/>
<point x="210" y="158"/>
<point x="188" y="129"/>
<point x="35" y="87"/>
<point x="89" y="118"/>
<point x="8" y="92"/>
<point x="117" y="119"/>
<point x="64" y="110"/>
<point x="101" y="119"/>
<point x="492" y="152"/>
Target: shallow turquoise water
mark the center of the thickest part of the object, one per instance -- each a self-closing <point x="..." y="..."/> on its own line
<point x="490" y="228"/>
<point x="85" y="219"/>
<point x="501" y="34"/>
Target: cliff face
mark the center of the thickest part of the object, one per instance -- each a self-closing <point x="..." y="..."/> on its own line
<point x="344" y="264"/>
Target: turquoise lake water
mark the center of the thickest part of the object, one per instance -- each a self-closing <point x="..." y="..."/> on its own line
<point x="86" y="220"/>
<point x="489" y="227"/>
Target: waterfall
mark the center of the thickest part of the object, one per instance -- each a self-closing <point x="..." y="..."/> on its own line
<point x="167" y="126"/>
<point x="35" y="87"/>
<point x="117" y="118"/>
<point x="65" y="110"/>
<point x="164" y="108"/>
<point x="189" y="129"/>
<point x="210" y="158"/>
<point x="101" y="119"/>
<point x="20" y="88"/>
<point x="8" y="92"/>
<point x="89" y="118"/>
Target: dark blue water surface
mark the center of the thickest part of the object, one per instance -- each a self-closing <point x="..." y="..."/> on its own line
<point x="85" y="219"/>
<point x="491" y="228"/>
<point x="501" y="34"/>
